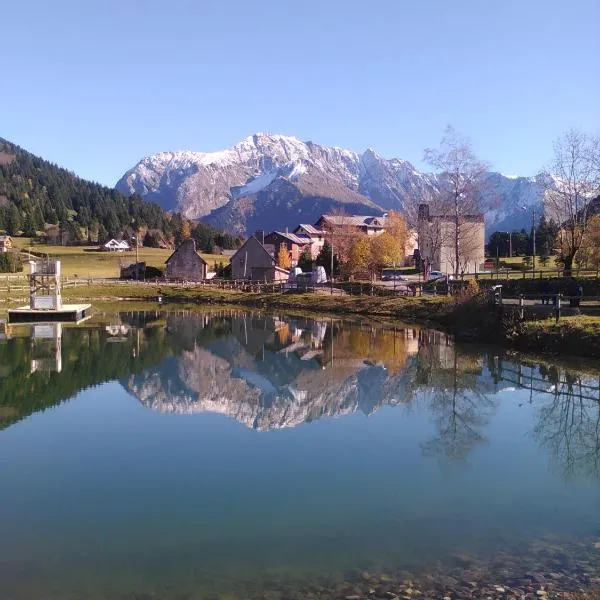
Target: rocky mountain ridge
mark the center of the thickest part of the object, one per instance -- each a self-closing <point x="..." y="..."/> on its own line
<point x="271" y="181"/>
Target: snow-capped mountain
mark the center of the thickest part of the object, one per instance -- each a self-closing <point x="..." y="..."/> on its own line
<point x="272" y="181"/>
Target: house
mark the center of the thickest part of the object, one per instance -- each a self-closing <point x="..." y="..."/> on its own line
<point x="253" y="261"/>
<point x="293" y="243"/>
<point x="316" y="237"/>
<point x="185" y="263"/>
<point x="116" y="246"/>
<point x="371" y="225"/>
<point x="436" y="239"/>
<point x="6" y="243"/>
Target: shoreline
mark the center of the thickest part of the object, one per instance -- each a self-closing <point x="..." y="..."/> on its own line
<point x="469" y="318"/>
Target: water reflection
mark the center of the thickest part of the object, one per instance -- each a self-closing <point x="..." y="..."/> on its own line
<point x="270" y="372"/>
<point x="418" y="450"/>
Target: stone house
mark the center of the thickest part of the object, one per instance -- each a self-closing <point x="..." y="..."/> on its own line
<point x="315" y="235"/>
<point x="186" y="263"/>
<point x="368" y="224"/>
<point x="254" y="262"/>
<point x="436" y="240"/>
<point x="6" y="243"/>
<point x="293" y="243"/>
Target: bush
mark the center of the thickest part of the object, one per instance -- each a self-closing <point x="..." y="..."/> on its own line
<point x="223" y="271"/>
<point x="153" y="273"/>
<point x="10" y="262"/>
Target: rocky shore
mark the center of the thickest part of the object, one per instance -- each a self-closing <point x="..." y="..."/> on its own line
<point x="544" y="571"/>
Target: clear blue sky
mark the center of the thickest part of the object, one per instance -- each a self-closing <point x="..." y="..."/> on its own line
<point x="94" y="86"/>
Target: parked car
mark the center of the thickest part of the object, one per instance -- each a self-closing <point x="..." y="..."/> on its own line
<point x="433" y="275"/>
<point x="392" y="275"/>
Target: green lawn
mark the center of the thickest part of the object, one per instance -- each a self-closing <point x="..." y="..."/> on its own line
<point x="85" y="261"/>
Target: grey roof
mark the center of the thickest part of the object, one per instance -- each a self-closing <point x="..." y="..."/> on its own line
<point x="310" y="229"/>
<point x="3" y="238"/>
<point x="373" y="221"/>
<point x="301" y="240"/>
<point x="251" y="240"/>
<point x="185" y="243"/>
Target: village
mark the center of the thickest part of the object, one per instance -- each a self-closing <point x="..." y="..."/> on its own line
<point x="309" y="250"/>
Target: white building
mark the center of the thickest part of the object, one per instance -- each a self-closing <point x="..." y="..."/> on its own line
<point x="116" y="246"/>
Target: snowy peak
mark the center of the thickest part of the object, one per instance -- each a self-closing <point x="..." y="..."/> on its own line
<point x="270" y="180"/>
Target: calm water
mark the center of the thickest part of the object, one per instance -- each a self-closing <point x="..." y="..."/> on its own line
<point x="201" y="455"/>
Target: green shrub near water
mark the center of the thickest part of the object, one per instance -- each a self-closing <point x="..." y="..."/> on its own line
<point x="10" y="262"/>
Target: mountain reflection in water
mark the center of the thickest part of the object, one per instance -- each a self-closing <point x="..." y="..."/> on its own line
<point x="270" y="372"/>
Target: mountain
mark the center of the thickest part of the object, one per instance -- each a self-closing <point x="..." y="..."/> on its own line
<point x="35" y="192"/>
<point x="272" y="181"/>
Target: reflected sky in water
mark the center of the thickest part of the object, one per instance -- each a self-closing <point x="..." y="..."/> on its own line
<point x="192" y="453"/>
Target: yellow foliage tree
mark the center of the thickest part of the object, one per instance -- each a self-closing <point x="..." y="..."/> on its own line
<point x="186" y="230"/>
<point x="359" y="260"/>
<point x="386" y="250"/>
<point x="396" y="226"/>
<point x="283" y="258"/>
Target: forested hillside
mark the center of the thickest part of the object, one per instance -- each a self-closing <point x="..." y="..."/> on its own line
<point x="40" y="199"/>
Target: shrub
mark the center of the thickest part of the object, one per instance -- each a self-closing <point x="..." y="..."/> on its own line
<point x="153" y="272"/>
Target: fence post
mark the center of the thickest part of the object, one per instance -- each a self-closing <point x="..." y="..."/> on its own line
<point x="558" y="307"/>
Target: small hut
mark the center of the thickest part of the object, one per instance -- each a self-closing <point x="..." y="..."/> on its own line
<point x="186" y="263"/>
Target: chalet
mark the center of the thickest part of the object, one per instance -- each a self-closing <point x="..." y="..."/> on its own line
<point x="316" y="237"/>
<point x="185" y="263"/>
<point x="293" y="243"/>
<point x="436" y="235"/>
<point x="116" y="246"/>
<point x="253" y="261"/>
<point x="6" y="243"/>
<point x="371" y="225"/>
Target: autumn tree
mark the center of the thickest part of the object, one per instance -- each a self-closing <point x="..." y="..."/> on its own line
<point x="461" y="175"/>
<point x="359" y="261"/>
<point x="283" y="257"/>
<point x="386" y="250"/>
<point x="572" y="180"/>
<point x="186" y="230"/>
<point x="397" y="227"/>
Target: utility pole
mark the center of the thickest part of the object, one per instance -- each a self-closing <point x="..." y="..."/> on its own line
<point x="533" y="220"/>
<point x="331" y="272"/>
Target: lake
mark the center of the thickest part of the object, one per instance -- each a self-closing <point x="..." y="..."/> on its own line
<point x="243" y="455"/>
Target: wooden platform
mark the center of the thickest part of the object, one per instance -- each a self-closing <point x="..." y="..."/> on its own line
<point x="68" y="312"/>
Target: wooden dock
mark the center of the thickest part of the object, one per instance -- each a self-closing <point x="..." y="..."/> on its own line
<point x="73" y="313"/>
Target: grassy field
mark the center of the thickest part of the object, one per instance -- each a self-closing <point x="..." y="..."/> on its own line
<point x="86" y="261"/>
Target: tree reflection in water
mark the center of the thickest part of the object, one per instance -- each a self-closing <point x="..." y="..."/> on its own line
<point x="569" y="423"/>
<point x="451" y="386"/>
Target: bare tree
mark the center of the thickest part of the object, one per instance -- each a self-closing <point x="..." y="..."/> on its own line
<point x="574" y="181"/>
<point x="461" y="176"/>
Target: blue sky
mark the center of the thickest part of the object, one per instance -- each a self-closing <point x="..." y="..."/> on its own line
<point x="94" y="86"/>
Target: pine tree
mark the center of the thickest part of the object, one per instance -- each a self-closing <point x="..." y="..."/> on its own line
<point x="29" y="226"/>
<point x="324" y="260"/>
<point x="13" y="220"/>
<point x="305" y="262"/>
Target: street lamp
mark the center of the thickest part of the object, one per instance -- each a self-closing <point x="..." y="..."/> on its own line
<point x="135" y="239"/>
<point x="509" y="243"/>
